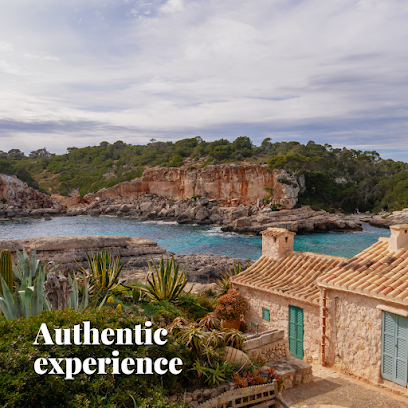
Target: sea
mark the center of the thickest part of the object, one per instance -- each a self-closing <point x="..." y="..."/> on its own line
<point x="189" y="238"/>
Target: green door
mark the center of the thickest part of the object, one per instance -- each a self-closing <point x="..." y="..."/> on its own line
<point x="394" y="356"/>
<point x="295" y="332"/>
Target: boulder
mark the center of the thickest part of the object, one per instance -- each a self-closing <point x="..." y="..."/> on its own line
<point x="243" y="222"/>
<point x="202" y="214"/>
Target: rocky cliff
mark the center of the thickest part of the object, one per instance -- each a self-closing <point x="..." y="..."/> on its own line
<point x="233" y="183"/>
<point x="17" y="198"/>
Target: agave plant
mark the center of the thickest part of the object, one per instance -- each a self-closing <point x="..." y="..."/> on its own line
<point x="104" y="274"/>
<point x="27" y="300"/>
<point x="28" y="266"/>
<point x="223" y="284"/>
<point x="73" y="300"/>
<point x="165" y="282"/>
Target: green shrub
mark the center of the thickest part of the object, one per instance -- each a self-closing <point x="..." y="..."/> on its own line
<point x="177" y="161"/>
<point x="20" y="386"/>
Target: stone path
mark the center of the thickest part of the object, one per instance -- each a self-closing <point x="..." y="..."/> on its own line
<point x="331" y="389"/>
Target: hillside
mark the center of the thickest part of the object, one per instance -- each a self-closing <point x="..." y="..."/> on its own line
<point x="328" y="178"/>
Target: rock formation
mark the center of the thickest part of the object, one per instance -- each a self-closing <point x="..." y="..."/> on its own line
<point x="135" y="253"/>
<point x="233" y="183"/>
<point x="385" y="219"/>
<point x="19" y="199"/>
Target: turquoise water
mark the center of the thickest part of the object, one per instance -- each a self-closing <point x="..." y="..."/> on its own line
<point x="187" y="239"/>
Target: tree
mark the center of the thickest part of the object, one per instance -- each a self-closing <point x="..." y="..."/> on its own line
<point x="242" y="145"/>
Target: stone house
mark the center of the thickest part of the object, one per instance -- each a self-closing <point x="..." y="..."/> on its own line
<point x="351" y="314"/>
<point x="282" y="292"/>
<point x="367" y="311"/>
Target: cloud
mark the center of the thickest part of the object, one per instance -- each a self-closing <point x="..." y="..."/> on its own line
<point x="332" y="72"/>
<point x="172" y="6"/>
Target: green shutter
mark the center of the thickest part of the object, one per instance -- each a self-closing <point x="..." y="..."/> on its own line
<point x="266" y="314"/>
<point x="295" y="331"/>
<point x="394" y="357"/>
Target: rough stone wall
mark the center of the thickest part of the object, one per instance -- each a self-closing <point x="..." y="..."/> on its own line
<point x="276" y="244"/>
<point x="272" y="351"/>
<point x="233" y="183"/>
<point x="353" y="330"/>
<point x="279" y="315"/>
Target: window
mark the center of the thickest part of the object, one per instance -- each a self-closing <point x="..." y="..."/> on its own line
<point x="266" y="314"/>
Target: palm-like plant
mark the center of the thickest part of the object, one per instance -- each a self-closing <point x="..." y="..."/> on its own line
<point x="104" y="275"/>
<point x="233" y="338"/>
<point x="210" y="321"/>
<point x="178" y="324"/>
<point x="165" y="282"/>
<point x="223" y="284"/>
<point x="193" y="337"/>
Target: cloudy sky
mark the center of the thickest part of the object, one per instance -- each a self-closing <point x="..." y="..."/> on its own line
<point x="77" y="72"/>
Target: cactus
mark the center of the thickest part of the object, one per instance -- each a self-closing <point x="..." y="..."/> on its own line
<point x="6" y="270"/>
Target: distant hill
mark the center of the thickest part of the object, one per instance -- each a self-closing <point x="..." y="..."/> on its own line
<point x="330" y="178"/>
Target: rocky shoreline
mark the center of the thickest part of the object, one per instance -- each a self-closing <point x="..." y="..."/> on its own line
<point x="385" y="219"/>
<point x="22" y="201"/>
<point x="68" y="252"/>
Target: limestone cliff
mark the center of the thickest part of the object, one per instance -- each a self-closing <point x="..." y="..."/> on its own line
<point x="233" y="183"/>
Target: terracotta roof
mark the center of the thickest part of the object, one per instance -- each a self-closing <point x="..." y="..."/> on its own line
<point x="375" y="272"/>
<point x="293" y="276"/>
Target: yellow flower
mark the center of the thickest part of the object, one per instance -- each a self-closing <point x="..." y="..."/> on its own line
<point x="119" y="308"/>
<point x="110" y="300"/>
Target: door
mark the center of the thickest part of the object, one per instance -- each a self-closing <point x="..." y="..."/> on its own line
<point x="394" y="356"/>
<point x="295" y="331"/>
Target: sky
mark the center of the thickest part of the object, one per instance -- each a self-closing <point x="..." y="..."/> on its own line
<point x="79" y="72"/>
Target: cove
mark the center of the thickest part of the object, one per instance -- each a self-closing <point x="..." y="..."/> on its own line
<point x="188" y="238"/>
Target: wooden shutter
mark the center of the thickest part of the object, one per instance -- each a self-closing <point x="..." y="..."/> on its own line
<point x="292" y="330"/>
<point x="394" y="357"/>
<point x="299" y="333"/>
<point x="401" y="352"/>
<point x="295" y="331"/>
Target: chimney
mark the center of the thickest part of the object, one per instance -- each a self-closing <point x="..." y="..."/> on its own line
<point x="277" y="242"/>
<point x="399" y="237"/>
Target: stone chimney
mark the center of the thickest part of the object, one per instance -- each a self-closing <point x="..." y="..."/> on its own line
<point x="399" y="237"/>
<point x="277" y="242"/>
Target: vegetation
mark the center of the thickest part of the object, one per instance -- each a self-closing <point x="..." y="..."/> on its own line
<point x="223" y="283"/>
<point x="28" y="298"/>
<point x="104" y="274"/>
<point x="164" y="282"/>
<point x="367" y="181"/>
<point x="334" y="178"/>
<point x="194" y="335"/>
<point x="22" y="387"/>
<point x="6" y="270"/>
<point x="231" y="306"/>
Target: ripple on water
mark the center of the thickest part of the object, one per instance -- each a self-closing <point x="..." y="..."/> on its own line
<point x="187" y="238"/>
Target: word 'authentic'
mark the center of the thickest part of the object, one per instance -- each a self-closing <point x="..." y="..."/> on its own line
<point x="91" y="337"/>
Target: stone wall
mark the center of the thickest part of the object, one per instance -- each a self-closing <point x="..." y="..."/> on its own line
<point x="353" y="330"/>
<point x="269" y="346"/>
<point x="279" y="316"/>
<point x="233" y="183"/>
<point x="277" y="242"/>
